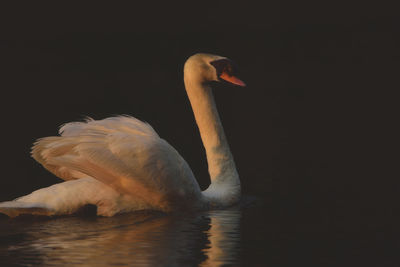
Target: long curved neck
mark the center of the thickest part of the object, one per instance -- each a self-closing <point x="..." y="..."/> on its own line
<point x="225" y="183"/>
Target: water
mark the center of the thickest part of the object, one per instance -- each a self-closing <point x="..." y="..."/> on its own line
<point x="136" y="239"/>
<point x="258" y="233"/>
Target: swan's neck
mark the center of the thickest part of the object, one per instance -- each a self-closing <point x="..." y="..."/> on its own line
<point x="225" y="184"/>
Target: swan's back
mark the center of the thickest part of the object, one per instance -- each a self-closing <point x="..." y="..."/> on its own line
<point x="125" y="154"/>
<point x="125" y="123"/>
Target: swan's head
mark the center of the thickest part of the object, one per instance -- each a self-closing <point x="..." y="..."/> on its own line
<point x="208" y="68"/>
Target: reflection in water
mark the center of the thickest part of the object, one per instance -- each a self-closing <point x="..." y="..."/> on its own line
<point x="223" y="236"/>
<point x="208" y="238"/>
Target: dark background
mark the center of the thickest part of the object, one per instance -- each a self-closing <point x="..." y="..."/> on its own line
<point x="311" y="133"/>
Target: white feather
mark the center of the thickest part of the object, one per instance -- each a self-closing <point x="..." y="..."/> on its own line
<point x="123" y="153"/>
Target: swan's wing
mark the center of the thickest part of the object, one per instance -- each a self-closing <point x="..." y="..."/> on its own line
<point x="123" y="123"/>
<point x="90" y="131"/>
<point x="123" y="153"/>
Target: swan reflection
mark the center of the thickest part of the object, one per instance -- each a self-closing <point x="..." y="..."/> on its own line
<point x="223" y="235"/>
<point x="146" y="239"/>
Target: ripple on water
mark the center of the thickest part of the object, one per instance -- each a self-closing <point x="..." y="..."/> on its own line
<point x="140" y="238"/>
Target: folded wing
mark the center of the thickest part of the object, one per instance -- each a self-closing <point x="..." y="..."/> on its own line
<point x="124" y="153"/>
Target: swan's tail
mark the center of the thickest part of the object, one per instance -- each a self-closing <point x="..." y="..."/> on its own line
<point x="85" y="196"/>
<point x="15" y="208"/>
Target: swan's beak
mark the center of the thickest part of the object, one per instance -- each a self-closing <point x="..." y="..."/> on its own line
<point x="232" y="79"/>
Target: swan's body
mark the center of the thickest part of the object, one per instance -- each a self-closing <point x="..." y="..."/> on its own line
<point x="120" y="164"/>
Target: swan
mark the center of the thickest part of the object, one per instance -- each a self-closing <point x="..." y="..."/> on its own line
<point x="120" y="164"/>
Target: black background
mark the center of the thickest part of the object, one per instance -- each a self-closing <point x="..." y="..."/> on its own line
<point x="311" y="132"/>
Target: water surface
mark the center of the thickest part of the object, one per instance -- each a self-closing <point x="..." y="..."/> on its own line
<point x="256" y="234"/>
<point x="135" y="239"/>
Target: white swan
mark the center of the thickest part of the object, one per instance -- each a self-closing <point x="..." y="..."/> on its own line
<point x="120" y="164"/>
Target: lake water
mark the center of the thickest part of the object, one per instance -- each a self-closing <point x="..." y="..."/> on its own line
<point x="253" y="234"/>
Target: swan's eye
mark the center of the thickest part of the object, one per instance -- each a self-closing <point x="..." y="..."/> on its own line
<point x="227" y="70"/>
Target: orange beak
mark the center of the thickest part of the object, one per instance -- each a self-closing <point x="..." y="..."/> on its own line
<point x="232" y="79"/>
